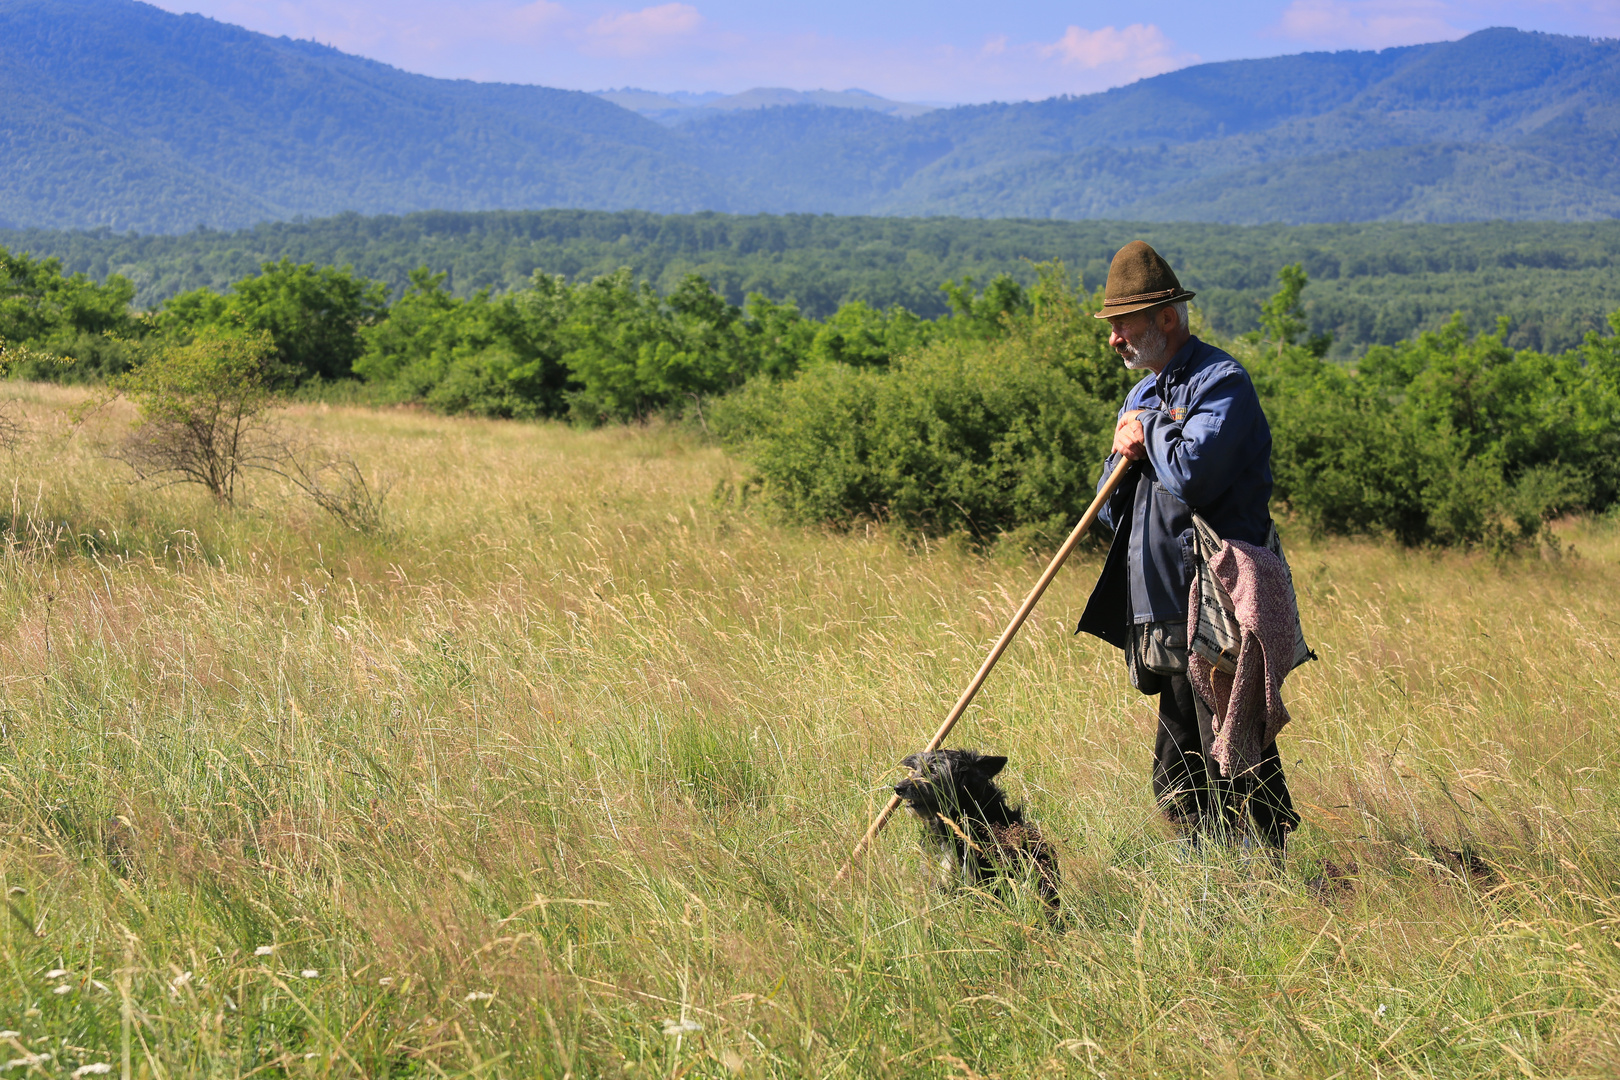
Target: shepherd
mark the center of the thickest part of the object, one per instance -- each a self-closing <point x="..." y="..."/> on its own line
<point x="1195" y="428"/>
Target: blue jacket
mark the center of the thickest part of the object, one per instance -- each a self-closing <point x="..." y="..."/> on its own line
<point x="1208" y="449"/>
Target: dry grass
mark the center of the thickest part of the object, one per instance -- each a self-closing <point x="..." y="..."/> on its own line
<point x="569" y="754"/>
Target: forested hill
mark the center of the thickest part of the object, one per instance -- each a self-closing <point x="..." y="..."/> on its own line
<point x="1374" y="283"/>
<point x="115" y="113"/>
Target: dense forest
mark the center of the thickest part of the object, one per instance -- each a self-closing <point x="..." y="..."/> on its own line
<point x="1374" y="283"/>
<point x="119" y="114"/>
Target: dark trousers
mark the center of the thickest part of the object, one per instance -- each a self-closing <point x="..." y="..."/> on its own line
<point x="1187" y="782"/>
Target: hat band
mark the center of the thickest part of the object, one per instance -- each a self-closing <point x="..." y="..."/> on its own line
<point x="1114" y="301"/>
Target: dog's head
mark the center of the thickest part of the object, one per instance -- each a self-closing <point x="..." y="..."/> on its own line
<point x="943" y="781"/>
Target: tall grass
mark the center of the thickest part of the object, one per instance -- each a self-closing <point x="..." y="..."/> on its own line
<point x="551" y="778"/>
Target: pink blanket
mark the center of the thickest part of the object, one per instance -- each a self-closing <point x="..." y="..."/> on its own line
<point x="1249" y="710"/>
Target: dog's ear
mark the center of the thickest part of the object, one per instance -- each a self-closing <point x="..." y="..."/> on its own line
<point x="989" y="765"/>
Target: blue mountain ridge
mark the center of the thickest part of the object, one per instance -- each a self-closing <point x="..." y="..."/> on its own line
<point x="114" y="113"/>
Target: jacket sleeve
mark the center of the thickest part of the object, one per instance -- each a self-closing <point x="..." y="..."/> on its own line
<point x="1197" y="457"/>
<point x="1109" y="514"/>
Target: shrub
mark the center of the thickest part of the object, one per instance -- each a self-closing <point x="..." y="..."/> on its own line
<point x="1451" y="439"/>
<point x="202" y="409"/>
<point x="47" y="315"/>
<point x="955" y="439"/>
<point x="983" y="437"/>
<point x="312" y="315"/>
<point x="863" y="336"/>
<point x="488" y="356"/>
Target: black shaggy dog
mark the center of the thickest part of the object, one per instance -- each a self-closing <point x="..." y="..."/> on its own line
<point x="968" y="826"/>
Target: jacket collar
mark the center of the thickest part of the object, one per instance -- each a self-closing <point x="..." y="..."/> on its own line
<point x="1173" y="369"/>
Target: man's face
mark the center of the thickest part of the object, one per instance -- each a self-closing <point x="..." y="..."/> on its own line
<point x="1139" y="341"/>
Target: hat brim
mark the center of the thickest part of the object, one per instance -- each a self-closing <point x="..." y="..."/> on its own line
<point x="1116" y="310"/>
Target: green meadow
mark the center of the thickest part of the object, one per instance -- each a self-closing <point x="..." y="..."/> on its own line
<point x="550" y="777"/>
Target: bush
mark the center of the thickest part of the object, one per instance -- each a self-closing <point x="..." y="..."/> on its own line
<point x="983" y="437"/>
<point x="48" y="316"/>
<point x="202" y="409"/>
<point x="614" y="349"/>
<point x="486" y="356"/>
<point x="955" y="439"/>
<point x="863" y="336"/>
<point x="313" y="316"/>
<point x="1451" y="439"/>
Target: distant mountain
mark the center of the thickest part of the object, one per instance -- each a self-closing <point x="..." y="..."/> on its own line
<point x="677" y="107"/>
<point x="115" y="113"/>
<point x="1501" y="124"/>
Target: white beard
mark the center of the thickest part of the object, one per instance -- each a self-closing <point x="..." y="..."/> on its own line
<point x="1149" y="353"/>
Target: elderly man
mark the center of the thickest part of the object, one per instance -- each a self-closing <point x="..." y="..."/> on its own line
<point x="1201" y="442"/>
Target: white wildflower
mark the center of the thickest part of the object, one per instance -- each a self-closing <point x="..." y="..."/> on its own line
<point x="681" y="1027"/>
<point x="310" y="973"/>
<point x="63" y="989"/>
<point x="100" y="1068"/>
<point x="1382" y="1009"/>
<point x="480" y="995"/>
<point x="56" y="973"/>
<point x="26" y="1062"/>
<point x="264" y="950"/>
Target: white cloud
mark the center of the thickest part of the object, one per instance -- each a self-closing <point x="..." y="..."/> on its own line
<point x="1137" y="47"/>
<point x="538" y="15"/>
<point x="640" y="33"/>
<point x="1367" y="24"/>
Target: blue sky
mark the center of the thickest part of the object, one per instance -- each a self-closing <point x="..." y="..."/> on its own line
<point x="940" y="50"/>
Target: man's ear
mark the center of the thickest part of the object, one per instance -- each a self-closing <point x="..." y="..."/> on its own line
<point x="1166" y="319"/>
<point x="989" y="766"/>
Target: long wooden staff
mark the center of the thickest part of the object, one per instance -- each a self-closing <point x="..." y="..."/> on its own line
<point x="1000" y="647"/>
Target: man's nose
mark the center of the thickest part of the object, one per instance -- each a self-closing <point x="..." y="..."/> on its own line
<point x="1115" y="339"/>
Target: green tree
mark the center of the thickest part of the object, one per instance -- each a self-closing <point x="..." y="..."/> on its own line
<point x="1283" y="316"/>
<point x="1452" y="438"/>
<point x="863" y="336"/>
<point x="47" y="315"/>
<point x="776" y="338"/>
<point x="1060" y="330"/>
<point x="504" y="358"/>
<point x="410" y="348"/>
<point x="314" y="315"/>
<point x="1602" y="354"/>
<point x="984" y="316"/>
<point x="984" y="437"/>
<point x="630" y="353"/>
<point x="202" y="409"/>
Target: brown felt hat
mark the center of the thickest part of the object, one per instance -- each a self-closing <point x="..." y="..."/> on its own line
<point x="1139" y="279"/>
